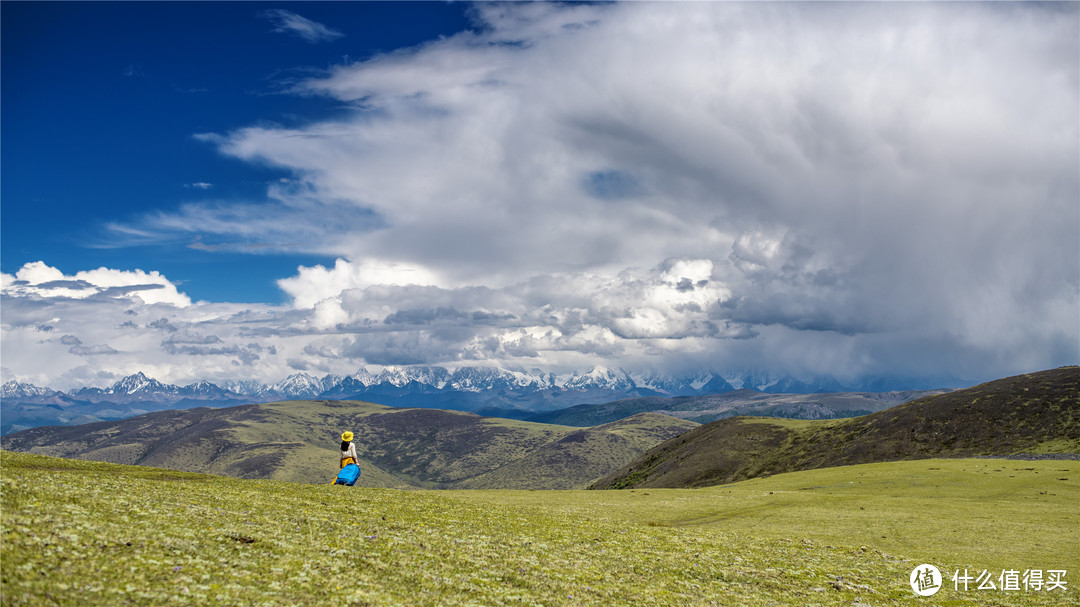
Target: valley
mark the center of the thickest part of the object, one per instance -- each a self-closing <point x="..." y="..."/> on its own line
<point x="398" y="447"/>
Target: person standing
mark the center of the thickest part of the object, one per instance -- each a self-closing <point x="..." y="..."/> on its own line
<point x="348" y="449"/>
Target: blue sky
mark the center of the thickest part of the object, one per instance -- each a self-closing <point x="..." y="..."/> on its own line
<point x="247" y="190"/>
<point x="102" y="102"/>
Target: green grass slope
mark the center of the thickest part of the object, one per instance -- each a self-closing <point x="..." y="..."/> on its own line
<point x="398" y="447"/>
<point x="1033" y="413"/>
<point x="90" y="533"/>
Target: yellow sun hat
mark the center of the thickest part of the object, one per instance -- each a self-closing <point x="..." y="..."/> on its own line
<point x="346" y="436"/>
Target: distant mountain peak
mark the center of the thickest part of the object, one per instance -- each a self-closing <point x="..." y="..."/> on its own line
<point x="14" y="389"/>
<point x="139" y="383"/>
<point x="603" y="378"/>
<point x="205" y="389"/>
<point x="480" y="378"/>
<point x="364" y="376"/>
<point x="400" y="376"/>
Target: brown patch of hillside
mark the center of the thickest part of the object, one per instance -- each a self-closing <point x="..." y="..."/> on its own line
<point x="1012" y="415"/>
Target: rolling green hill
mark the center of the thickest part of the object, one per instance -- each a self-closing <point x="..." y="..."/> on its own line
<point x="90" y="533"/>
<point x="1033" y="413"/>
<point x="398" y="447"/>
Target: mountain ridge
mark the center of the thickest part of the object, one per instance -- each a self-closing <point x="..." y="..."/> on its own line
<point x="711" y="407"/>
<point x="489" y="390"/>
<point x="1035" y="412"/>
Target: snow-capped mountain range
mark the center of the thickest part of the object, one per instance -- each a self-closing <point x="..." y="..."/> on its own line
<point x="486" y="390"/>
<point x="475" y="380"/>
<point x="14" y="389"/>
<point x="143" y="388"/>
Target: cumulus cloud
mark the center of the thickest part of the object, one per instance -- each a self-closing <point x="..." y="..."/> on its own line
<point x="562" y="320"/>
<point x="102" y="338"/>
<point x="41" y="280"/>
<point x="315" y="284"/>
<point x="288" y="22"/>
<point x="825" y="188"/>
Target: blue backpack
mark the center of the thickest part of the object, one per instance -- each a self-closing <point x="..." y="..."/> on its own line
<point x="348" y="474"/>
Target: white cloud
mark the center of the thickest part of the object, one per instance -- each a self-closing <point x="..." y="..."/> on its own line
<point x="313" y="285"/>
<point x="845" y="125"/>
<point x="39" y="279"/>
<point x="844" y="188"/>
<point x="288" y="22"/>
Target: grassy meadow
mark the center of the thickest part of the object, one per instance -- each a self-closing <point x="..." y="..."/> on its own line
<point x="89" y="533"/>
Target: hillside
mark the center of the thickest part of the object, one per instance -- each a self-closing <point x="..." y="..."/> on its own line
<point x="90" y="534"/>
<point x="572" y="461"/>
<point x="298" y="441"/>
<point x="1033" y="413"/>
<point x="712" y="407"/>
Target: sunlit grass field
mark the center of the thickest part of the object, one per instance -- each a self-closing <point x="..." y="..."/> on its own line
<point x="87" y="533"/>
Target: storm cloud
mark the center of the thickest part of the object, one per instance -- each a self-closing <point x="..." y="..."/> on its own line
<point x="818" y="188"/>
